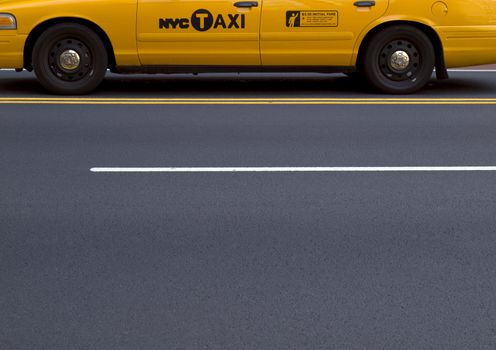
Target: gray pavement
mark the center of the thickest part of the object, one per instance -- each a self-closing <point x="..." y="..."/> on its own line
<point x="247" y="261"/>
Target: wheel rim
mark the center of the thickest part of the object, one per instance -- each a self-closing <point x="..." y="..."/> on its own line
<point x="70" y="60"/>
<point x="400" y="61"/>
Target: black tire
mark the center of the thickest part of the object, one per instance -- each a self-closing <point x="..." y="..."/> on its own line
<point x="391" y="76"/>
<point x="70" y="37"/>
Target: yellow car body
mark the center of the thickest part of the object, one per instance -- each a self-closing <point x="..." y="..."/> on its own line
<point x="274" y="34"/>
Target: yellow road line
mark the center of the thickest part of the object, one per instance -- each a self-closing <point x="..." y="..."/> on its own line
<point x="248" y="101"/>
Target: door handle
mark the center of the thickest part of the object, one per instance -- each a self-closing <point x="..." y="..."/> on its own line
<point x="246" y="4"/>
<point x="364" y="3"/>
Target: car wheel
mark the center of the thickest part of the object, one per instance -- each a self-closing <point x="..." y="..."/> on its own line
<point x="70" y="59"/>
<point x="399" y="60"/>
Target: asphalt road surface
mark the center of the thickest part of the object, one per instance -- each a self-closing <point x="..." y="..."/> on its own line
<point x="376" y="260"/>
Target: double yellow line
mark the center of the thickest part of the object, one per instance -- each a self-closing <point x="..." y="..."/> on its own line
<point x="245" y="101"/>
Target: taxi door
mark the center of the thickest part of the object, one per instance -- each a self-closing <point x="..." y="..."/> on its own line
<point x="199" y="32"/>
<point x="314" y="32"/>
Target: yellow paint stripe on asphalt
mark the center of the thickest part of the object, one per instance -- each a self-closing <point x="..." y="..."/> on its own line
<point x="246" y="99"/>
<point x="249" y="101"/>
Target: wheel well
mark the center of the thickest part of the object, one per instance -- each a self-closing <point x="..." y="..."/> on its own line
<point x="38" y="30"/>
<point x="441" y="71"/>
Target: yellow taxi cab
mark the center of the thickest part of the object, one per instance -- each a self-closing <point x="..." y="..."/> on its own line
<point x="394" y="44"/>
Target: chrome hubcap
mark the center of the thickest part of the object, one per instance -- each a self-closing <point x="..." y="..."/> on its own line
<point x="69" y="60"/>
<point x="400" y="60"/>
